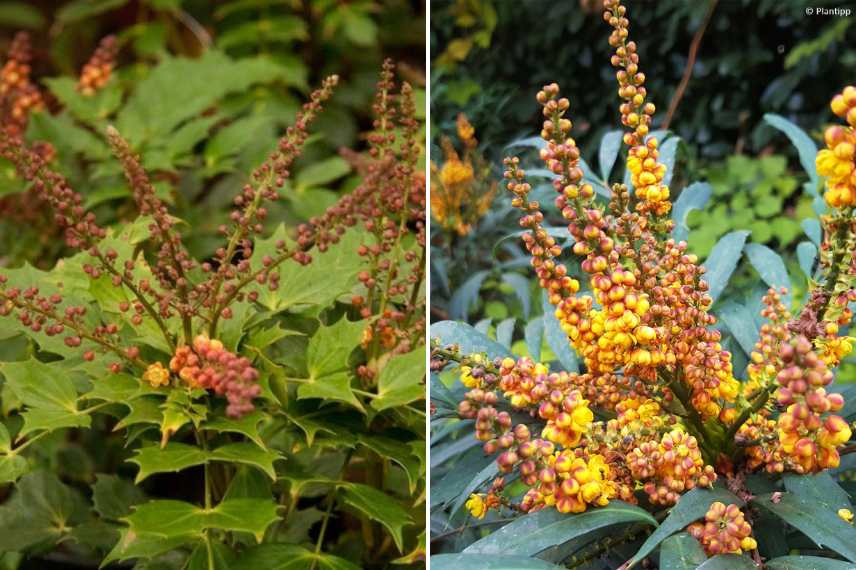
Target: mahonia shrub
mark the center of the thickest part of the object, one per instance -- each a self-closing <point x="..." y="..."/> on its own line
<point x="654" y="440"/>
<point x="266" y="399"/>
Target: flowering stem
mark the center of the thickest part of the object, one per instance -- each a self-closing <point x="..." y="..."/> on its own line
<point x="758" y="402"/>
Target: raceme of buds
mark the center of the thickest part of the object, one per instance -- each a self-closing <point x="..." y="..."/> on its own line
<point x="838" y="160"/>
<point x="207" y="364"/>
<point x="96" y="73"/>
<point x="724" y="531"/>
<point x="19" y="96"/>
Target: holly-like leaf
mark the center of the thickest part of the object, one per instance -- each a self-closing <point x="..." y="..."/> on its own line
<point x="171" y="458"/>
<point x="49" y="394"/>
<point x="329" y="375"/>
<point x="247" y="425"/>
<point x="691" y="507"/>
<point x="41" y="510"/>
<point x="398" y="452"/>
<point x="378" y="506"/>
<point x="145" y="546"/>
<point x="113" y="496"/>
<point x="12" y="465"/>
<point x="172" y="519"/>
<point x="402" y="380"/>
<point x="531" y="534"/>
<point x="248" y="454"/>
<point x="144" y="410"/>
<point x="289" y="557"/>
<point x="115" y="388"/>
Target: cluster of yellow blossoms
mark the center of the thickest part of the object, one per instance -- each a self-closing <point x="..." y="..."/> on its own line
<point x="838" y="161"/>
<point x="653" y="360"/>
<point x="462" y="189"/>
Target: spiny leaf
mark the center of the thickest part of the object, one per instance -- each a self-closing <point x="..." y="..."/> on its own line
<point x="402" y="380"/>
<point x="289" y="557"/>
<point x="378" y="506"/>
<point x="113" y="496"/>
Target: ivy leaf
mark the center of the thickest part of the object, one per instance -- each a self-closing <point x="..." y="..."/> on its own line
<point x="723" y="260"/>
<point x="467" y="338"/>
<point x="480" y="562"/>
<point x="113" y="496"/>
<point x="402" y="380"/>
<point x="173" y="519"/>
<point x="378" y="506"/>
<point x="49" y="394"/>
<point x="681" y="552"/>
<point x="806" y="563"/>
<point x="691" y="507"/>
<point x="531" y="534"/>
<point x="41" y="510"/>
<point x="289" y="557"/>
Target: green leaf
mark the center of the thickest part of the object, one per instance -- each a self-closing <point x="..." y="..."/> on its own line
<point x="83" y="9"/>
<point x="289" y="557"/>
<point x="807" y="254"/>
<point x="466" y="296"/>
<point x="19" y="15"/>
<point x="247" y="425"/>
<point x="531" y="534"/>
<point x="175" y="457"/>
<point x="396" y="451"/>
<point x="610" y="145"/>
<point x="49" y="394"/>
<point x="556" y="337"/>
<point x="41" y="510"/>
<point x="691" y="507"/>
<point x="377" y="506"/>
<point x="144" y="546"/>
<point x="479" y="562"/>
<point x="323" y="172"/>
<point x="329" y="375"/>
<point x="115" y="388"/>
<point x="172" y="458"/>
<point x="173" y="519"/>
<point x="213" y="556"/>
<point x="728" y="562"/>
<point x="722" y="261"/>
<point x="402" y="380"/>
<point x="89" y="109"/>
<point x="232" y="139"/>
<point x="806" y="563"/>
<point x="693" y="197"/>
<point x="248" y="454"/>
<point x="681" y="552"/>
<point x="468" y="339"/>
<point x="806" y="148"/>
<point x="769" y="266"/>
<point x="12" y="465"/>
<point x="815" y="517"/>
<point x="113" y="496"/>
<point x="144" y="410"/>
<point x="741" y="322"/>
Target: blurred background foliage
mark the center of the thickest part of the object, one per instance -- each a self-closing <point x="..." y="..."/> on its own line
<point x="202" y="90"/>
<point x="742" y="89"/>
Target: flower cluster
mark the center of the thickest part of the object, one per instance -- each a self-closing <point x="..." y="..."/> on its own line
<point x="461" y="188"/>
<point x="208" y="365"/>
<point x="654" y="361"/>
<point x="97" y="71"/>
<point x="724" y="531"/>
<point x="19" y="96"/>
<point x="838" y="160"/>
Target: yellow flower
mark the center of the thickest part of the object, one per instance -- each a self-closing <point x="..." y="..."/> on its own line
<point x="477" y="506"/>
<point x="846" y="515"/>
<point x="156" y="375"/>
<point x="466" y="132"/>
<point x="455" y="172"/>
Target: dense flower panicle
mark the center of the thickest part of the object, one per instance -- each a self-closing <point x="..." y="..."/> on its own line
<point x="97" y="71"/>
<point x="19" y="96"/>
<point x="207" y="364"/>
<point x="461" y="190"/>
<point x="724" y="531"/>
<point x="838" y="160"/>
